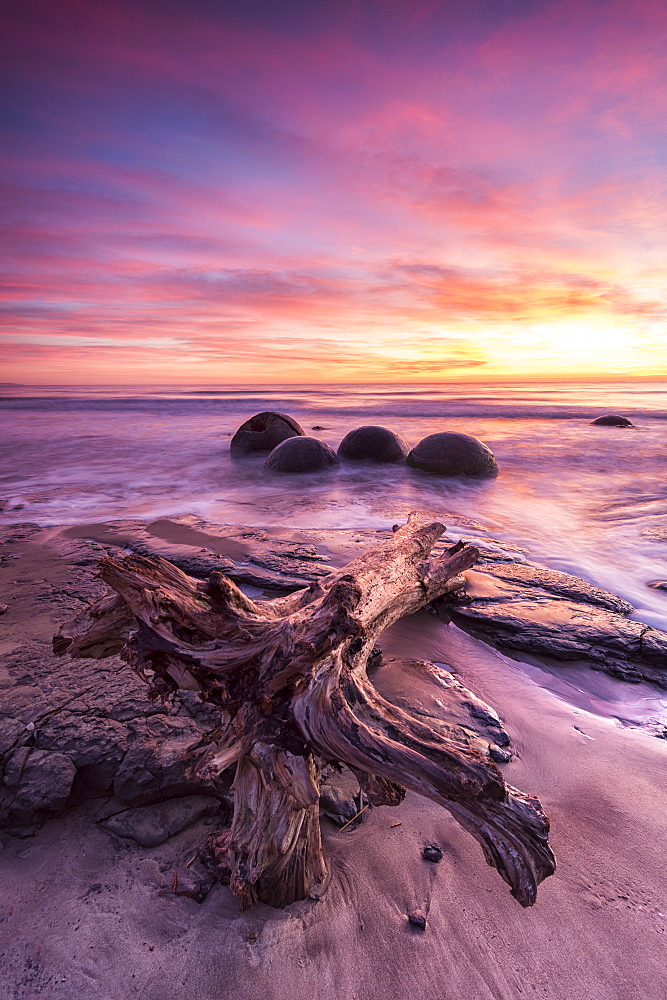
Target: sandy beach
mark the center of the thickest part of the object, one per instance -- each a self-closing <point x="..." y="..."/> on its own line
<point x="88" y="915"/>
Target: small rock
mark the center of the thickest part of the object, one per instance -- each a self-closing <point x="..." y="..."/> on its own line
<point x="341" y="804"/>
<point x="150" y="826"/>
<point x="206" y="715"/>
<point x="612" y="420"/>
<point x="656" y="727"/>
<point x="418" y="919"/>
<point x="500" y="737"/>
<point x="4" y="608"/>
<point x="498" y="754"/>
<point x="657" y="584"/>
<point x="432" y="853"/>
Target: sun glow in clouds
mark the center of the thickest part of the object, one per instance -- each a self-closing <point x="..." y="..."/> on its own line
<point x="573" y="346"/>
<point x="407" y="192"/>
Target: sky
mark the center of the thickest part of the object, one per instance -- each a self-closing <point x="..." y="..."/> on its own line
<point x="262" y="192"/>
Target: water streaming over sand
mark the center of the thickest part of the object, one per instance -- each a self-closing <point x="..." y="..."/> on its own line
<point x="588" y="500"/>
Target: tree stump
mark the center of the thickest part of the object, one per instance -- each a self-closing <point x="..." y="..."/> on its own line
<point x="289" y="679"/>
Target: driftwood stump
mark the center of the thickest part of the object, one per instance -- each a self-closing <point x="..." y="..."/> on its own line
<point x="289" y="678"/>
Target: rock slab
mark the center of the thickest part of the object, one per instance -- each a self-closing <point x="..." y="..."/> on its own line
<point x="526" y="617"/>
<point x="150" y="826"/>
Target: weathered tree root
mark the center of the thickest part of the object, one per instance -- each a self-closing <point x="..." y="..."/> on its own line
<point x="289" y="678"/>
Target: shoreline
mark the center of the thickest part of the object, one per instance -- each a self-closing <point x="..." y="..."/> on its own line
<point x="316" y="550"/>
<point x="197" y="547"/>
<point x="80" y="897"/>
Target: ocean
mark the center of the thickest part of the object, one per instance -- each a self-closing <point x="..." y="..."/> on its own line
<point x="588" y="500"/>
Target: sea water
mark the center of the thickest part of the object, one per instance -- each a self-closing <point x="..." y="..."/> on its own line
<point x="585" y="499"/>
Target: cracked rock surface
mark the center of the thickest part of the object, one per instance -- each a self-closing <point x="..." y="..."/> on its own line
<point x="531" y="610"/>
<point x="70" y="729"/>
<point x="249" y="556"/>
<point x="150" y="826"/>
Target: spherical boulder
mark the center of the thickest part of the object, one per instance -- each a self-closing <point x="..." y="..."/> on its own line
<point x="452" y="454"/>
<point x="374" y="444"/>
<point x="263" y="432"/>
<point x="301" y="454"/>
<point x="612" y="420"/>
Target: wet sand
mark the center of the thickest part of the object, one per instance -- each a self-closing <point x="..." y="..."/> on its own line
<point x="87" y="916"/>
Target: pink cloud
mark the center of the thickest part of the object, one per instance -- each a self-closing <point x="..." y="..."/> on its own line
<point x="203" y="178"/>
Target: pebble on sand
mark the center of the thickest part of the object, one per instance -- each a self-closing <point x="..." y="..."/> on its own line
<point x="418" y="919"/>
<point x="499" y="755"/>
<point x="432" y="853"/>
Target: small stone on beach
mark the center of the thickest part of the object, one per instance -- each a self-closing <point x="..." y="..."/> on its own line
<point x="150" y="826"/>
<point x="498" y="754"/>
<point x="418" y="919"/>
<point x="432" y="853"/>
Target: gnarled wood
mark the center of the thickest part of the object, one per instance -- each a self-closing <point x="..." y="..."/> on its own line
<point x="289" y="679"/>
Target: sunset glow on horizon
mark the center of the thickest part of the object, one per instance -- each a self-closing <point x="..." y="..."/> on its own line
<point x="382" y="192"/>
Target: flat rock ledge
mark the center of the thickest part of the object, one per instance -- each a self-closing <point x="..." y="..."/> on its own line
<point x="248" y="556"/>
<point x="150" y="826"/>
<point x="527" y="609"/>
